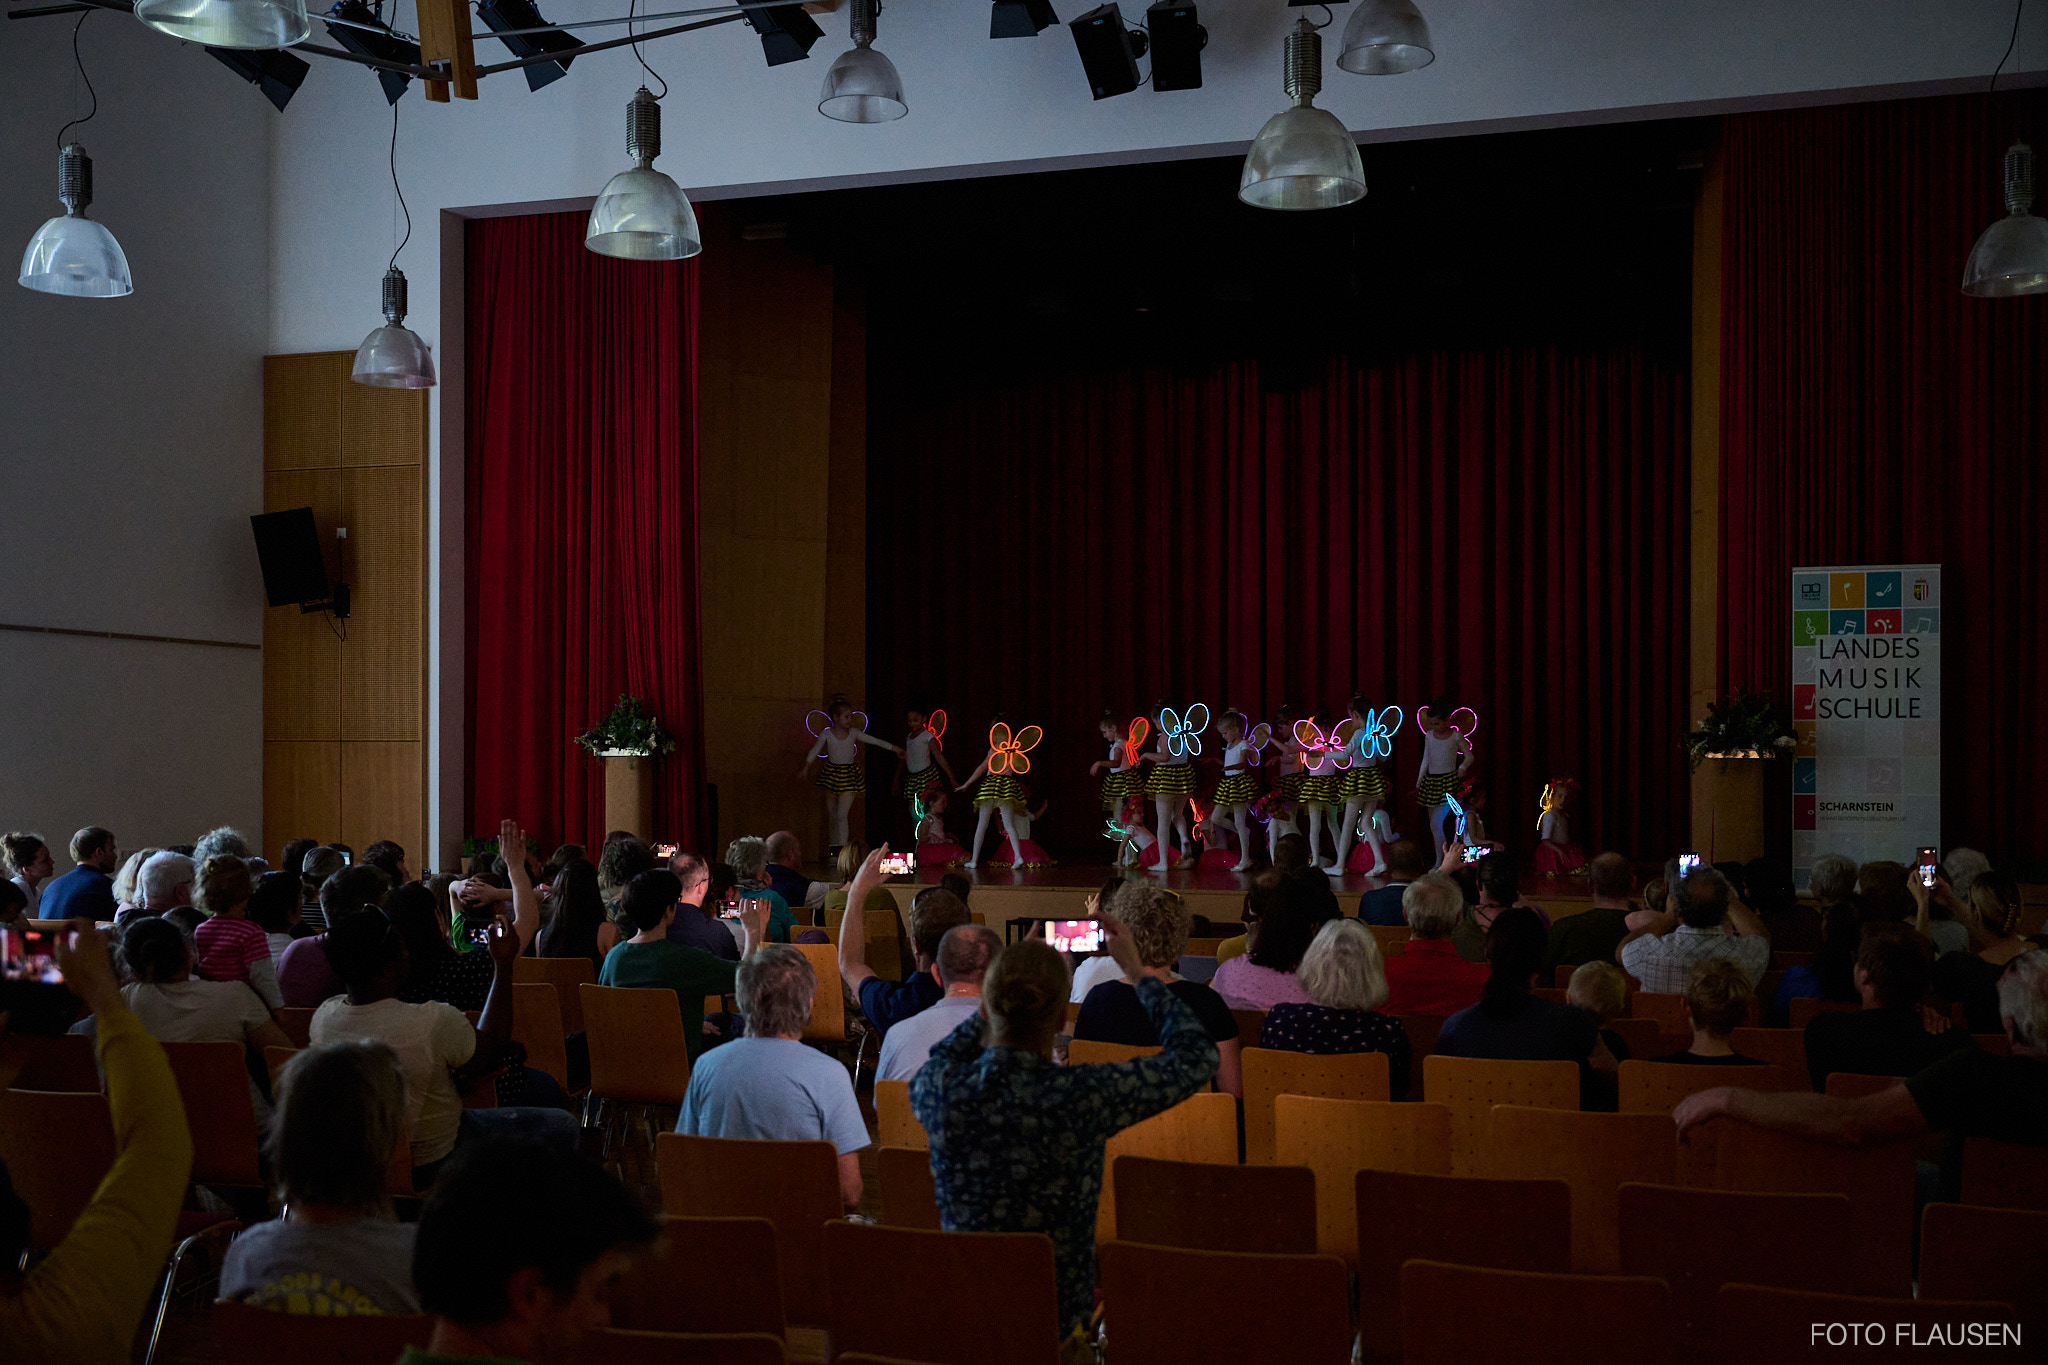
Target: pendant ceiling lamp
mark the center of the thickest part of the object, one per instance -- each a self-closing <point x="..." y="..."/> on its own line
<point x="642" y="214"/>
<point x="1386" y="38"/>
<point x="2011" y="258"/>
<point x="1304" y="158"/>
<point x="862" y="86"/>
<point x="394" y="356"/>
<point x="71" y="254"/>
<point x="229" y="23"/>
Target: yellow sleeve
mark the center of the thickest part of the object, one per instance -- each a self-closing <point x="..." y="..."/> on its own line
<point x="85" y="1300"/>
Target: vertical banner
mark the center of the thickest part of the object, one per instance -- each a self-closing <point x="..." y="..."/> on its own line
<point x="1866" y="708"/>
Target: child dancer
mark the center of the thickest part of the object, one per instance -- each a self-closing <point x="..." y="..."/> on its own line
<point x="924" y="758"/>
<point x="1364" y="785"/>
<point x="1320" y="794"/>
<point x="1472" y="796"/>
<point x="1557" y="853"/>
<point x="1127" y="827"/>
<point x="1172" y="779"/>
<point x="1290" y="772"/>
<point x="1238" y="789"/>
<point x="1000" y="793"/>
<point x="839" y="741"/>
<point x="936" y="847"/>
<point x="1007" y="853"/>
<point x="1446" y="754"/>
<point x="1119" y="772"/>
<point x="1214" y="836"/>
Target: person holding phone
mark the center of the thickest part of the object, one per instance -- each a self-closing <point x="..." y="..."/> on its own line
<point x="933" y="911"/>
<point x="651" y="959"/>
<point x="1157" y="922"/>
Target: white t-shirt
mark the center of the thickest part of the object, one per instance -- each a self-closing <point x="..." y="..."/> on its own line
<point x="908" y="1043"/>
<point x="1553" y="827"/>
<point x="34" y="894"/>
<point x="842" y="749"/>
<point x="1440" y="754"/>
<point x="1093" y="973"/>
<point x="196" y="1011"/>
<point x="429" y="1039"/>
<point x="917" y="752"/>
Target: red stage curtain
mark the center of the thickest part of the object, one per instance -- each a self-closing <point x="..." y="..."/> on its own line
<point x="1873" y="413"/>
<point x="1507" y="526"/>
<point x="581" y="523"/>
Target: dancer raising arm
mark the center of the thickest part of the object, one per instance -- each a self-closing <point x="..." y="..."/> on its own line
<point x="1000" y="793"/>
<point x="838" y="744"/>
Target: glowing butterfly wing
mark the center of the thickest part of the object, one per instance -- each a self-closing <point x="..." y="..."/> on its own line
<point x="817" y="722"/>
<point x="1309" y="737"/>
<point x="999" y="748"/>
<point x="1341" y="735"/>
<point x="860" y="719"/>
<point x="1134" y="739"/>
<point x="1471" y="725"/>
<point x="1383" y="725"/>
<point x="1261" y="735"/>
<point x="1197" y="721"/>
<point x="1027" y="738"/>
<point x="936" y="723"/>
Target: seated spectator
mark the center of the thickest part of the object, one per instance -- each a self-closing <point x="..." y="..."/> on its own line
<point x="1499" y="878"/>
<point x="29" y="865"/>
<point x="166" y="882"/>
<point x="1662" y="957"/>
<point x="433" y="1041"/>
<point x="87" y="890"/>
<point x="1405" y="862"/>
<point x="128" y="883"/>
<point x="232" y="947"/>
<point x="1791" y="925"/>
<point x="622" y="858"/>
<point x="1346" y="984"/>
<point x="84" y="1301"/>
<point x="304" y="976"/>
<point x="1016" y="1142"/>
<point x="319" y="865"/>
<point x="1833" y="882"/>
<point x="932" y="913"/>
<point x="274" y="908"/>
<point x="292" y="858"/>
<point x="1882" y="885"/>
<point x="388" y="858"/>
<point x="1427" y="977"/>
<point x="785" y="856"/>
<point x="1511" y="1022"/>
<point x="1934" y="914"/>
<point x="575" y="912"/>
<point x="434" y="970"/>
<point x="13" y="903"/>
<point x="1971" y="979"/>
<point x="1891" y="1035"/>
<point x="699" y="921"/>
<point x="652" y="959"/>
<point x="957" y="882"/>
<point x="1831" y="973"/>
<point x="847" y="863"/>
<point x="337" y="1251"/>
<point x="517" y="1253"/>
<point x="1091" y="970"/>
<point x="963" y="958"/>
<point x="749" y="859"/>
<point x="1717" y="1000"/>
<point x="1289" y="914"/>
<point x="1157" y="921"/>
<point x="768" y="1084"/>
<point x="175" y="1008"/>
<point x="1601" y="990"/>
<point x="1962" y="867"/>
<point x="221" y="841"/>
<point x="1593" y="934"/>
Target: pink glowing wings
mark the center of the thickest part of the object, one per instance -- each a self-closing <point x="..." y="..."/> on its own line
<point x="1006" y="751"/>
<point x="1465" y="731"/>
<point x="1333" y="744"/>
<point x="818" y="722"/>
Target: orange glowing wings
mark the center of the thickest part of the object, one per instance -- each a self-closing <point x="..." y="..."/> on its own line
<point x="1006" y="751"/>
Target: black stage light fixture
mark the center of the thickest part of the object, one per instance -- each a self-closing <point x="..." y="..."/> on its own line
<point x="386" y="46"/>
<point x="1020" y="18"/>
<point x="1177" y="43"/>
<point x="504" y="15"/>
<point x="1109" y="51"/>
<point x="277" y="73"/>
<point x="787" y="32"/>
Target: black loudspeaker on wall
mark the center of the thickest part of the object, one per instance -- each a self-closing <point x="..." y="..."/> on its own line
<point x="1109" y="52"/>
<point x="1177" y="43"/>
<point x="294" y="570"/>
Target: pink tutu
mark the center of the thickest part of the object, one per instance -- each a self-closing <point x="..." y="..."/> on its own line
<point x="1034" y="856"/>
<point x="1360" y="859"/>
<point x="1216" y="860"/>
<point x="1553" y="861"/>
<point x="947" y="854"/>
<point x="1149" y="858"/>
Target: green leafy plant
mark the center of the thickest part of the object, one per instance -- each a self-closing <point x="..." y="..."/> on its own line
<point x="630" y="728"/>
<point x="1746" y="725"/>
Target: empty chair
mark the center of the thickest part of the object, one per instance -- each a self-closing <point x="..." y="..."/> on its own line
<point x="1083" y="1052"/>
<point x="1336" y="1139"/>
<point x="617" y="1346"/>
<point x="909" y="1196"/>
<point x="895" y="1124"/>
<point x="794" y="1185"/>
<point x="1644" y="1037"/>
<point x="1209" y="1206"/>
<point x="1781" y="1047"/>
<point x="887" y="1285"/>
<point x="1762" y="1326"/>
<point x="1267" y="1073"/>
<point x="537" y="1026"/>
<point x="1470" y="1086"/>
<point x="1968" y="1252"/>
<point x="1202" y="1127"/>
<point x="1877" y="1180"/>
<point x="1593" y="1153"/>
<point x="1458" y="1314"/>
<point x="2004" y="1175"/>
<point x="1669" y="1010"/>
<point x="213" y="1080"/>
<point x="257" y="1336"/>
<point x="637" y="1051"/>
<point x="62" y="1063"/>
<point x="827" y="1023"/>
<point x="58" y="1146"/>
<point x="668" y="1289"/>
<point x="1657" y="1087"/>
<point x="1507" y="1224"/>
<point x="1175" y="1306"/>
<point x="565" y="974"/>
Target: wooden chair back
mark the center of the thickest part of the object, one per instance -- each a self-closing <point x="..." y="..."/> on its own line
<point x="213" y="1080"/>
<point x="297" y="1024"/>
<point x="1251" y="1026"/>
<point x="1763" y="1326"/>
<point x="637" y="1051"/>
<point x="1854" y="1085"/>
<point x="1670" y="1012"/>
<point x="1588" y="1319"/>
<point x="259" y="1336"/>
<point x="1509" y="1224"/>
<point x="1781" y="1047"/>
<point x="565" y="974"/>
<point x="398" y="1174"/>
<point x="620" y="1346"/>
<point x="1805" y="1009"/>
<point x="794" y="1185"/>
<point x="704" y="1275"/>
<point x="1645" y="1037"/>
<point x="1084" y="1052"/>
<point x="537" y="1026"/>
<point x="1202" y="1127"/>
<point x="884" y="1282"/>
<point x="1422" y="1030"/>
<point x="1153" y="1294"/>
<point x="64" y="1063"/>
<point x="1554" y="994"/>
<point x="1210" y="1206"/>
<point x="1657" y="1087"/>
<point x="1336" y="1139"/>
<point x="1269" y="1073"/>
<point x="1698" y="1240"/>
<point x="58" y="1146"/>
<point x="895" y="1124"/>
<point x="909" y="1197"/>
<point x="827" y="1023"/>
<point x="1470" y="1086"/>
<point x="1391" y="938"/>
<point x="1996" y="1253"/>
<point x="2004" y="1175"/>
<point x="1562" y="977"/>
<point x="1997" y="1044"/>
<point x="1594" y="1154"/>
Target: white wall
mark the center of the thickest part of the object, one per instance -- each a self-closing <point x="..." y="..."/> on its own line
<point x="131" y="438"/>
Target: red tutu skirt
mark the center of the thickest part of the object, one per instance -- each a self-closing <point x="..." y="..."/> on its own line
<point x="1360" y="859"/>
<point x="947" y="854"/>
<point x="1216" y="860"/>
<point x="1034" y="856"/>
<point x="1553" y="861"/>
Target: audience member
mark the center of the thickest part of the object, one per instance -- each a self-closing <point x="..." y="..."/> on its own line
<point x="1891" y="1035"/>
<point x="221" y="842"/>
<point x="1289" y="914"/>
<point x="1511" y="1022"/>
<point x="749" y="859"/>
<point x="337" y="1251"/>
<point x="83" y="1302"/>
<point x="652" y="959"/>
<point x="1791" y="925"/>
<point x="1405" y="862"/>
<point x="1601" y="990"/>
<point x="1717" y="997"/>
<point x="1882" y="885"/>
<point x="175" y="1007"/>
<point x="1833" y="882"/>
<point x="785" y="856"/>
<point x="1427" y="977"/>
<point x="305" y="978"/>
<point x="1016" y="1142"/>
<point x="513" y="880"/>
<point x="1593" y="934"/>
<point x="388" y="858"/>
<point x="1831" y="973"/>
<point x="963" y="958"/>
<point x="622" y="858"/>
<point x="932" y="913"/>
<point x="434" y="969"/>
<point x="698" y="923"/>
<point x="1157" y="922"/>
<point x="13" y="902"/>
<point x="319" y="865"/>
<point x="127" y="886"/>
<point x="517" y="1253"/>
<point x="231" y="946"/>
<point x="292" y="858"/>
<point x="1092" y="970"/>
<point x="166" y="882"/>
<point x="768" y="1084"/>
<point x="957" y="882"/>
<point x="1662" y="957"/>
<point x="846" y="862"/>
<point x="29" y="865"/>
<point x="575" y="911"/>
<point x="1963" y="866"/>
<point x="1499" y="879"/>
<point x="1346" y="984"/>
<point x="1972" y="979"/>
<point x="87" y="891"/>
<point x="274" y="908"/>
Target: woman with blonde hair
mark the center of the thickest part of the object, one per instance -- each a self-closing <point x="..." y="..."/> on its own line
<point x="1346" y="983"/>
<point x="1992" y="915"/>
<point x="127" y="882"/>
<point x="1158" y="921"/>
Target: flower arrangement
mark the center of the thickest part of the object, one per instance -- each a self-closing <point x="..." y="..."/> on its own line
<point x="630" y="729"/>
<point x="1746" y="725"/>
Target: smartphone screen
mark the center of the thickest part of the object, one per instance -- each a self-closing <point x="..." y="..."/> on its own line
<point x="729" y="908"/>
<point x="1927" y="862"/>
<point x="29" y="953"/>
<point x="1074" y="935"/>
<point x="1474" y="852"/>
<point x="346" y="856"/>
<point x="1687" y="863"/>
<point x="664" y="850"/>
<point x="898" y="864"/>
<point x="480" y="934"/>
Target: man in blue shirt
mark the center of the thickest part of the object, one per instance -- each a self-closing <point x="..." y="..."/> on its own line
<point x="1404" y="865"/>
<point x="694" y="926"/>
<point x="785" y="856"/>
<point x="933" y="911"/>
<point x="87" y="890"/>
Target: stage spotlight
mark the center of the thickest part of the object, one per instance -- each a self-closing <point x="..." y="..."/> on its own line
<point x="1109" y="51"/>
<point x="387" y="45"/>
<point x="787" y="32"/>
<point x="1177" y="43"/>
<point x="1020" y="18"/>
<point x="504" y="15"/>
<point x="278" y="74"/>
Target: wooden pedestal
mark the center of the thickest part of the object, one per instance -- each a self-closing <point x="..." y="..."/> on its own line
<point x="629" y="794"/>
<point x="1728" y="809"/>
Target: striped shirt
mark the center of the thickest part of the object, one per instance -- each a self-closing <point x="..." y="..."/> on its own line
<point x="227" y="947"/>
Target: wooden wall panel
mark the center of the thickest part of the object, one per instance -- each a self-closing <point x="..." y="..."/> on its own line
<point x="382" y="426"/>
<point x="301" y="792"/>
<point x="302" y="409"/>
<point x="302" y="655"/>
<point x="383" y="667"/>
<point x="384" y="796"/>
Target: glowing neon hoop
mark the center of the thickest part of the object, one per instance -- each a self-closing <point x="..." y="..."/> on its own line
<point x="1006" y="751"/>
<point x="818" y="722"/>
<point x="1184" y="734"/>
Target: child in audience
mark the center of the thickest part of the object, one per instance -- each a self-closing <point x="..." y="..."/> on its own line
<point x="1717" y="996"/>
<point x="232" y="947"/>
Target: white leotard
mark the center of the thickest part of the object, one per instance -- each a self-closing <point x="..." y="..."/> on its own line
<point x="917" y="751"/>
<point x="1120" y="758"/>
<point x="1553" y="827"/>
<point x="1234" y="761"/>
<point x="838" y="750"/>
<point x="1442" y="755"/>
<point x="1291" y="760"/>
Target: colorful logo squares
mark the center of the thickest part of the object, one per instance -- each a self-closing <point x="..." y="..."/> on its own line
<point x="1808" y="627"/>
<point x="1809" y="591"/>
<point x="1881" y="589"/>
<point x="1845" y="622"/>
<point x="1802" y="701"/>
<point x="1884" y="622"/>
<point x="1805" y="810"/>
<point x="1845" y="590"/>
<point x="1805" y="774"/>
<point x="1922" y="620"/>
<point x="1807" y="732"/>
